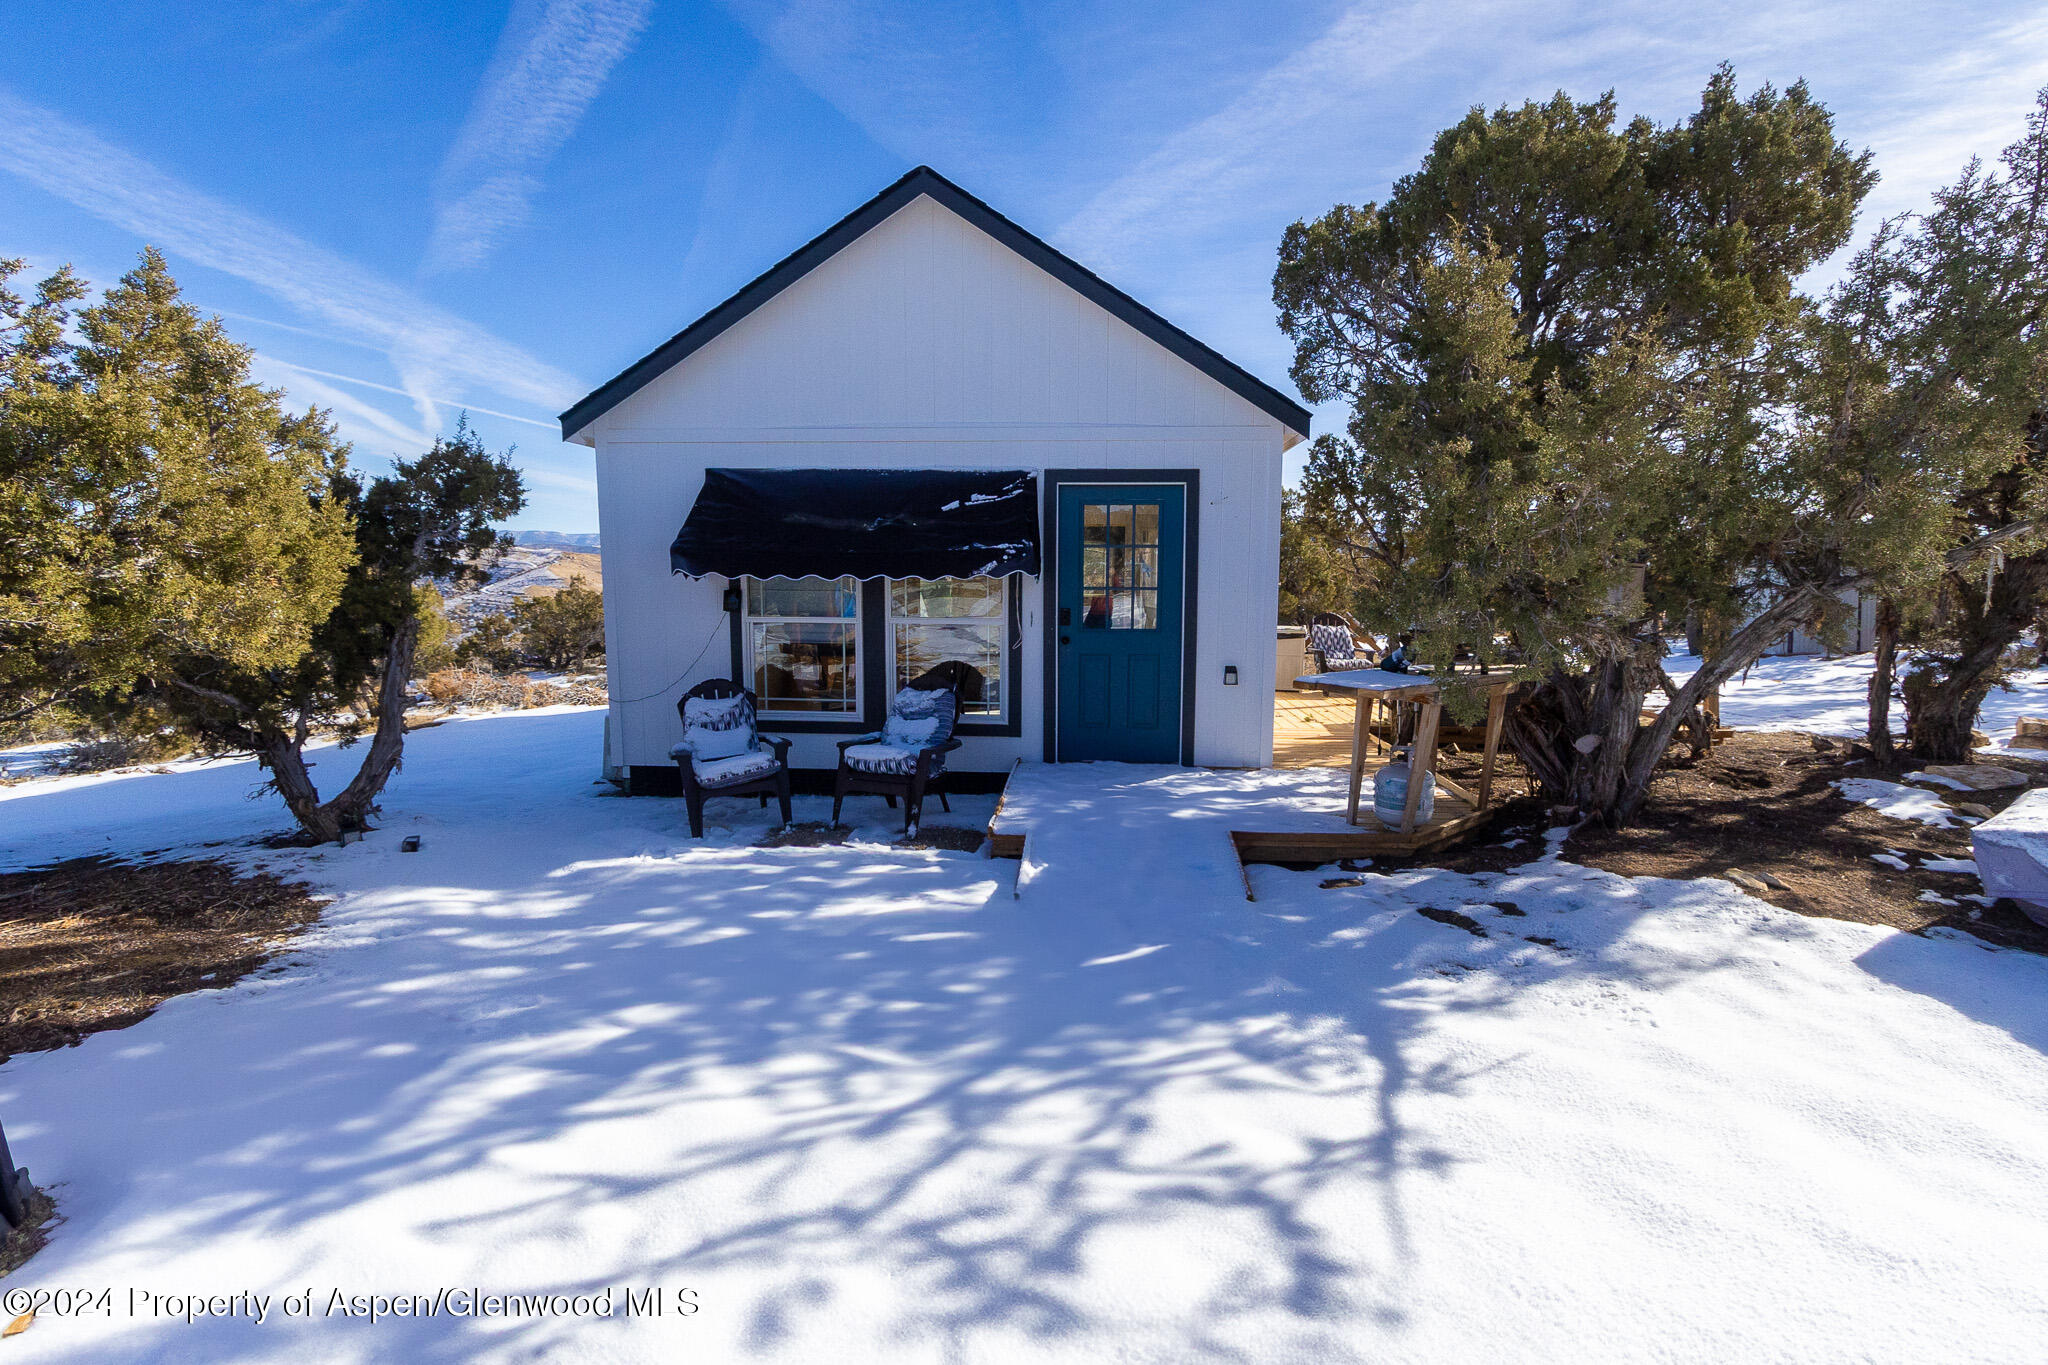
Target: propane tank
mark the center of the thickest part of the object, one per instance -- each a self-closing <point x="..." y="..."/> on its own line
<point x="1390" y="793"/>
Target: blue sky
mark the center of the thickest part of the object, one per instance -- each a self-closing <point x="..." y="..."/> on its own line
<point x="413" y="208"/>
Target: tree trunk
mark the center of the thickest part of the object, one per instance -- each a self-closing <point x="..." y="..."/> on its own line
<point x="1884" y="656"/>
<point x="352" y="807"/>
<point x="284" y="754"/>
<point x="1620" y="687"/>
<point x="1944" y="694"/>
<point x="1581" y="735"/>
<point x="1941" y="711"/>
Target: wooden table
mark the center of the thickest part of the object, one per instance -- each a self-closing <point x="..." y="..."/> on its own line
<point x="1373" y="687"/>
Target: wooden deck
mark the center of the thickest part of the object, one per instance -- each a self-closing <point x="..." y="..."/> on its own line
<point x="1453" y="818"/>
<point x="1311" y="730"/>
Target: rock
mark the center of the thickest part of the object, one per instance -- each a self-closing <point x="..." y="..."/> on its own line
<point x="1972" y="808"/>
<point x="2011" y="853"/>
<point x="1979" y="740"/>
<point x="1821" y="744"/>
<point x="1747" y="881"/>
<point x="2030" y="733"/>
<point x="1983" y="777"/>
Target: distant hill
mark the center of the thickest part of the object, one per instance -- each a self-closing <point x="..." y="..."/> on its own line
<point x="559" y="540"/>
<point x="523" y="571"/>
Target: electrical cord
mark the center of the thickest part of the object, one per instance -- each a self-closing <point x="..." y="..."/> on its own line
<point x="715" y="629"/>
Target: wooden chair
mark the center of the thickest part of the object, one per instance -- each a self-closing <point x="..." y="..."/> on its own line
<point x="1334" y="642"/>
<point x="884" y="764"/>
<point x="749" y="769"/>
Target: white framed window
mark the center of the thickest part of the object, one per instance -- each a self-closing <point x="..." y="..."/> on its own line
<point x="937" y="620"/>
<point x="803" y="645"/>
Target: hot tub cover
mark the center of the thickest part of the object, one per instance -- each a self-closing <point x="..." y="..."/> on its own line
<point x="870" y="523"/>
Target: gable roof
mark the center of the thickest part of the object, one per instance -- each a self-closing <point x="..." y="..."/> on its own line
<point x="926" y="181"/>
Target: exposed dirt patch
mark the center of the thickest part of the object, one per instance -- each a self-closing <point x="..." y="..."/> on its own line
<point x="805" y="834"/>
<point x="1763" y="803"/>
<point x="817" y="834"/>
<point x="950" y="838"/>
<point x="89" y="945"/>
<point x="1455" y="919"/>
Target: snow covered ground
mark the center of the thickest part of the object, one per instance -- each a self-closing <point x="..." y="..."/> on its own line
<point x="1831" y="696"/>
<point x="866" y="1105"/>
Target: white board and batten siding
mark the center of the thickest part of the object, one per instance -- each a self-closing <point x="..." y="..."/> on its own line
<point x="925" y="344"/>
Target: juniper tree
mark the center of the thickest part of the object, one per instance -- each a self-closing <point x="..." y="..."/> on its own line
<point x="564" y="629"/>
<point x="1317" y="572"/>
<point x="430" y="518"/>
<point x="1570" y="349"/>
<point x="1960" y="298"/>
<point x="154" y="501"/>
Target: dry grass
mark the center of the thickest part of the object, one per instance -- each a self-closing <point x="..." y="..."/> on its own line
<point x="480" y="687"/>
<point x="25" y="1241"/>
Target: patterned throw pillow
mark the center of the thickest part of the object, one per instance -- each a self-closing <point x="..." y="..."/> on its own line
<point x="919" y="719"/>
<point x="718" y="729"/>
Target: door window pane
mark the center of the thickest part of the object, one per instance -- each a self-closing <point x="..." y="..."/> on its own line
<point x="1094" y="567"/>
<point x="1094" y="523"/>
<point x="1120" y="566"/>
<point x="1120" y="524"/>
<point x="1145" y="530"/>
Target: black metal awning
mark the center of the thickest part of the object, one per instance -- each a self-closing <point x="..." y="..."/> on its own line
<point x="870" y="523"/>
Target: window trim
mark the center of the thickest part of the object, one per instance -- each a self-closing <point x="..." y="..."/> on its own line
<point x="1005" y="620"/>
<point x="745" y="620"/>
<point x="876" y="658"/>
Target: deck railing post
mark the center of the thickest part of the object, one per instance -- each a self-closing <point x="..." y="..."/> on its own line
<point x="1421" y="761"/>
<point x="1496" y="713"/>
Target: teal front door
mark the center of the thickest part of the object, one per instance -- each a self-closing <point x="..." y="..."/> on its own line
<point x="1121" y="619"/>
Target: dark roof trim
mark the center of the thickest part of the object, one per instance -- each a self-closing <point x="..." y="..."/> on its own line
<point x="925" y="180"/>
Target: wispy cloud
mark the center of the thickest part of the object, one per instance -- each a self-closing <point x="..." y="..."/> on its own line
<point x="1970" y="100"/>
<point x="431" y="349"/>
<point x="1353" y="108"/>
<point x="1221" y="162"/>
<point x="931" y="82"/>
<point x="552" y="60"/>
<point x="440" y="401"/>
<point x="361" y="424"/>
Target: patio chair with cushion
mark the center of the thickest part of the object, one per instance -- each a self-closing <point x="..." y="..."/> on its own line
<point x="907" y="757"/>
<point x="723" y="753"/>
<point x="1334" y="644"/>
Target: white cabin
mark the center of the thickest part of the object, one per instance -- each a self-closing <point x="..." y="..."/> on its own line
<point x="977" y="374"/>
